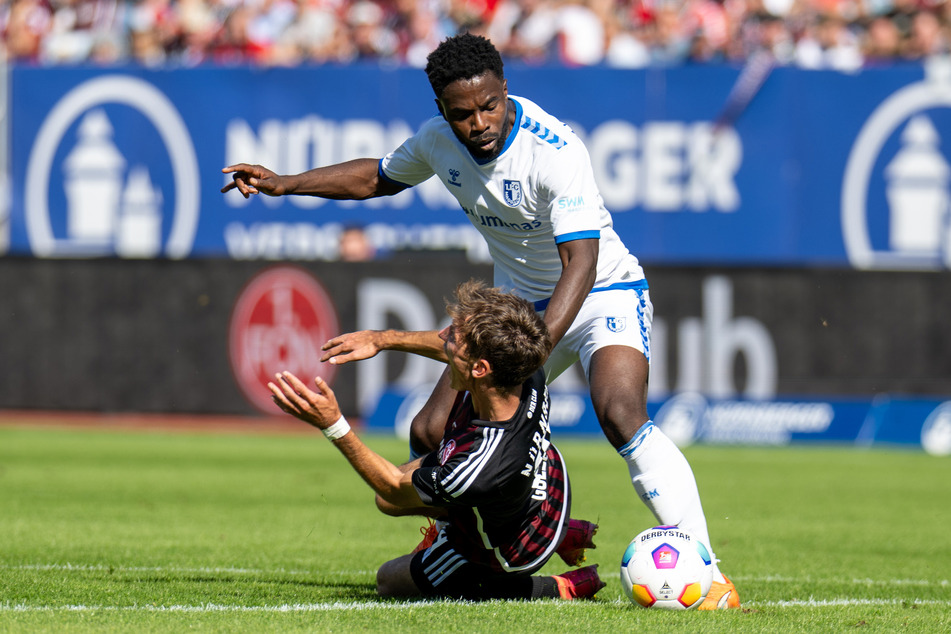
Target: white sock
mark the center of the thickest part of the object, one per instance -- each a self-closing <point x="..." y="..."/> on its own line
<point x="664" y="481"/>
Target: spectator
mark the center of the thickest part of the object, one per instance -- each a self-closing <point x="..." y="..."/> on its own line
<point x="772" y="36"/>
<point x="107" y="49"/>
<point x="882" y="43"/>
<point x="28" y="23"/>
<point x="198" y="23"/>
<point x="829" y="45"/>
<point x="355" y="245"/>
<point x="834" y="34"/>
<point x="625" y="47"/>
<point x="470" y="15"/>
<point x="319" y="34"/>
<point x="76" y="27"/>
<point x="925" y="38"/>
<point x="235" y="43"/>
<point x="668" y="43"/>
<point x="525" y="29"/>
<point x="424" y="33"/>
<point x="145" y="40"/>
<point x="581" y="37"/>
<point x="708" y="20"/>
<point x="372" y="39"/>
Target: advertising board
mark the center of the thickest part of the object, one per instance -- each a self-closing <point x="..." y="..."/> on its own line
<point x="821" y="169"/>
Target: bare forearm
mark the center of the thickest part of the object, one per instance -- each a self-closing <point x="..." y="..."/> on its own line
<point x="319" y="409"/>
<point x="364" y="344"/>
<point x="358" y="179"/>
<point x="425" y="343"/>
<point x="387" y="480"/>
<point x="577" y="280"/>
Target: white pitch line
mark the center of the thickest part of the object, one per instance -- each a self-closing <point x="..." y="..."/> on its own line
<point x="835" y="603"/>
<point x="177" y="569"/>
<point x="857" y="581"/>
<point x="285" y="571"/>
<point x="340" y="606"/>
<point x="215" y="607"/>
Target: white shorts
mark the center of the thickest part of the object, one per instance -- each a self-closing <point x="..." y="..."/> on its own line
<point x="607" y="318"/>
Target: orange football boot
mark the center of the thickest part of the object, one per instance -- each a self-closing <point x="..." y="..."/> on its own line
<point x="722" y="596"/>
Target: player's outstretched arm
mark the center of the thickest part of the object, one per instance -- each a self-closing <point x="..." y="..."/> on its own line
<point x="319" y="408"/>
<point x="358" y="179"/>
<point x="363" y="344"/>
<point x="254" y="179"/>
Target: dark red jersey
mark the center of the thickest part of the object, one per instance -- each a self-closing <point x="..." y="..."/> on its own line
<point x="504" y="483"/>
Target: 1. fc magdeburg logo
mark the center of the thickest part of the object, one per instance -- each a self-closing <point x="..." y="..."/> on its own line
<point x="112" y="171"/>
<point x="512" y="192"/>
<point x="896" y="191"/>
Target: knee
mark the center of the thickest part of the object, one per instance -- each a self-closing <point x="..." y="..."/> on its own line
<point x="384" y="584"/>
<point x="394" y="579"/>
<point x="424" y="434"/>
<point x="620" y="416"/>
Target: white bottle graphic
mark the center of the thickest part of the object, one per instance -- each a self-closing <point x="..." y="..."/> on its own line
<point x="917" y="191"/>
<point x="140" y="222"/>
<point x="93" y="182"/>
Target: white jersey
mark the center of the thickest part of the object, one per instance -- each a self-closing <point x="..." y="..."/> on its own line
<point x="538" y="193"/>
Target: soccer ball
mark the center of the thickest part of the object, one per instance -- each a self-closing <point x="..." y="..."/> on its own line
<point x="666" y="567"/>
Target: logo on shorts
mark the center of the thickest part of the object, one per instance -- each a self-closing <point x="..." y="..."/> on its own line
<point x="616" y="324"/>
<point x="512" y="192"/>
<point x="279" y="322"/>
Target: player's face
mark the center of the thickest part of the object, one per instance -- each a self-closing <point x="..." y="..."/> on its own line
<point x="478" y="112"/>
<point x="459" y="365"/>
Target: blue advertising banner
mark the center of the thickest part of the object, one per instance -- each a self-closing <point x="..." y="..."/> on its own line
<point x="690" y="417"/>
<point x="821" y="168"/>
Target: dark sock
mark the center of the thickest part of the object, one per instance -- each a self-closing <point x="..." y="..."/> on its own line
<point x="545" y="588"/>
<point x="514" y="587"/>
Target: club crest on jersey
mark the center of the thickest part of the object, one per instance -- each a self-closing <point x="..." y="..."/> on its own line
<point x="512" y="192"/>
<point x="616" y="324"/>
<point x="447" y="450"/>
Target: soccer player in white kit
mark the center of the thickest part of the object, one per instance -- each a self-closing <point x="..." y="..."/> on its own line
<point x="525" y="181"/>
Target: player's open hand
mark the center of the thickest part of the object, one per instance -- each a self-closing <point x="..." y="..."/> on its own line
<point x="253" y="179"/>
<point x="353" y="346"/>
<point x="318" y="408"/>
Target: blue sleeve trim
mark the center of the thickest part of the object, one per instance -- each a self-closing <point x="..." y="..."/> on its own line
<point x="578" y="235"/>
<point x="383" y="175"/>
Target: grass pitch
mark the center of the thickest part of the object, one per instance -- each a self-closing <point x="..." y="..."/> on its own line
<point x="146" y="531"/>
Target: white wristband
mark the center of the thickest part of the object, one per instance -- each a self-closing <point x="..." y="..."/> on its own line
<point x="338" y="430"/>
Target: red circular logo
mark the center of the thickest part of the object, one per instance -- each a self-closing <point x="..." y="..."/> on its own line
<point x="281" y="319"/>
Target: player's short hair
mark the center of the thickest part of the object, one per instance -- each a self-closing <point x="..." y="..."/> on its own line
<point x="501" y="328"/>
<point x="462" y="56"/>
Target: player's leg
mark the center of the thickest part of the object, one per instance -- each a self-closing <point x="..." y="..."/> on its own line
<point x="615" y="353"/>
<point x="428" y="425"/>
<point x="425" y="433"/>
<point x="660" y="473"/>
<point x="442" y="571"/>
<point x="394" y="579"/>
<point x="617" y="364"/>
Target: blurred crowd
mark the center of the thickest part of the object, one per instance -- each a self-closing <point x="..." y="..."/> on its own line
<point x="838" y="34"/>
